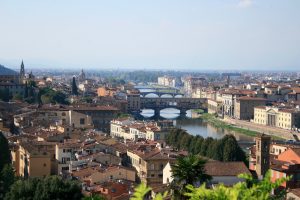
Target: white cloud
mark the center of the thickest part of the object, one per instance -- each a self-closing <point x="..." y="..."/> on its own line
<point x="245" y="3"/>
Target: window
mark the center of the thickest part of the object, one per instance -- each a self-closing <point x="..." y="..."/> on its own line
<point x="152" y="166"/>
<point x="65" y="168"/>
<point x="82" y="121"/>
<point x="161" y="166"/>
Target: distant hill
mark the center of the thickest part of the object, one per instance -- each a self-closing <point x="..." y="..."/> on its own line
<point x="6" y="71"/>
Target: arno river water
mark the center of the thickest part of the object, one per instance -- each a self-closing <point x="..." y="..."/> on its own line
<point x="195" y="126"/>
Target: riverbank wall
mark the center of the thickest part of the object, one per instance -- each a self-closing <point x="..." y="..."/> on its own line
<point x="273" y="131"/>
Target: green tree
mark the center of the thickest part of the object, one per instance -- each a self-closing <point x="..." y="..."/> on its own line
<point x="197" y="147"/>
<point x="48" y="95"/>
<point x="17" y="97"/>
<point x="4" y="94"/>
<point x="5" y="157"/>
<point x="23" y="190"/>
<point x="188" y="170"/>
<point x="59" y="97"/>
<point x="94" y="197"/>
<point x="185" y="141"/>
<point x="258" y="190"/>
<point x="74" y="87"/>
<point x="52" y="187"/>
<point x="206" y="143"/>
<point x="7" y="178"/>
<point x="26" y="91"/>
<point x="231" y="149"/>
<point x="217" y="153"/>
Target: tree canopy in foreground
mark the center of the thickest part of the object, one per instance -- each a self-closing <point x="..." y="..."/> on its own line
<point x="251" y="189"/>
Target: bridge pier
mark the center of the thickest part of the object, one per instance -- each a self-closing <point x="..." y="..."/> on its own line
<point x="182" y="112"/>
<point x="156" y="112"/>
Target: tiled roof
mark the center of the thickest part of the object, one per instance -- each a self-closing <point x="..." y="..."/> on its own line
<point x="216" y="168"/>
<point x="251" y="98"/>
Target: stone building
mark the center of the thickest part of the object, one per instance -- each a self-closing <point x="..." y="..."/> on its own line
<point x="214" y="107"/>
<point x="166" y="81"/>
<point x="244" y="107"/>
<point x="277" y="117"/>
<point x="134" y="100"/>
<point x="34" y="159"/>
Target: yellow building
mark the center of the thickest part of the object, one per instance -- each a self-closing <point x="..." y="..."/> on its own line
<point x="149" y="164"/>
<point x="97" y="175"/>
<point x="213" y="106"/>
<point x="33" y="159"/>
<point x="277" y="117"/>
<point x="105" y="91"/>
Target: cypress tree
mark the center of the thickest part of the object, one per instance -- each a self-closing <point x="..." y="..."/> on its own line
<point x="4" y="152"/>
<point x="26" y="91"/>
<point x="74" y="87"/>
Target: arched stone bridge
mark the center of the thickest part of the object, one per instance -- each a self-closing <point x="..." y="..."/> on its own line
<point x="182" y="104"/>
<point x="161" y="91"/>
<point x="159" y="94"/>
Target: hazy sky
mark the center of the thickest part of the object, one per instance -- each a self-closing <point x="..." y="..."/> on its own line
<point x="146" y="34"/>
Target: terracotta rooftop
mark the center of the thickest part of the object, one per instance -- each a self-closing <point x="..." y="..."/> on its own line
<point x="251" y="98"/>
<point x="216" y="168"/>
<point x="260" y="107"/>
<point x="295" y="191"/>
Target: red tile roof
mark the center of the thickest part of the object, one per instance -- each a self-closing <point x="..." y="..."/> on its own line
<point x="216" y="168"/>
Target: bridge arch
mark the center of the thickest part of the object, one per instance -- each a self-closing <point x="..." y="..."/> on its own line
<point x="166" y="96"/>
<point x="151" y="95"/>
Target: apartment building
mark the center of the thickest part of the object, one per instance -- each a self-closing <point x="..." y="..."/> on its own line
<point x="33" y="159"/>
<point x="105" y="91"/>
<point x="192" y="83"/>
<point x="228" y="101"/>
<point x="149" y="159"/>
<point x="244" y="107"/>
<point x="213" y="106"/>
<point x="65" y="153"/>
<point x="130" y="129"/>
<point x="93" y="175"/>
<point x="149" y="164"/>
<point x="77" y="116"/>
<point x="134" y="100"/>
<point x="166" y="81"/>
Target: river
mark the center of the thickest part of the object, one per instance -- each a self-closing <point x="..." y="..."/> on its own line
<point x="194" y="126"/>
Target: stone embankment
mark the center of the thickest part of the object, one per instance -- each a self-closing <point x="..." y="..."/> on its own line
<point x="278" y="132"/>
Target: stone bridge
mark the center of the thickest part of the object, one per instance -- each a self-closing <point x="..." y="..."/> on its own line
<point x="182" y="104"/>
<point x="161" y="91"/>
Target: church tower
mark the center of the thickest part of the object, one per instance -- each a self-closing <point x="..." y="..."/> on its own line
<point x="263" y="143"/>
<point x="81" y="76"/>
<point x="22" y="72"/>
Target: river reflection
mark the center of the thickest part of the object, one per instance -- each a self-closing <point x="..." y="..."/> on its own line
<point x="194" y="126"/>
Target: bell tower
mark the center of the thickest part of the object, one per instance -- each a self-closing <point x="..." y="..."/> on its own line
<point x="262" y="154"/>
<point x="22" y="72"/>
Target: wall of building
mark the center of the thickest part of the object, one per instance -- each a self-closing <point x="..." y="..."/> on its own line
<point x="120" y="173"/>
<point x="39" y="166"/>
